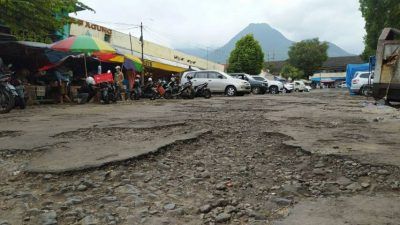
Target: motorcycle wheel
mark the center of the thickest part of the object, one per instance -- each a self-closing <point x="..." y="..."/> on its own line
<point x="207" y="93"/>
<point x="7" y="101"/>
<point x="168" y="95"/>
<point x="191" y="94"/>
<point x="106" y="99"/>
<point x="112" y="97"/>
<point x="134" y="96"/>
<point x="21" y="103"/>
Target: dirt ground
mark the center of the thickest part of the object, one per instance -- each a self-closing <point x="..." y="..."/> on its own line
<point x="304" y="158"/>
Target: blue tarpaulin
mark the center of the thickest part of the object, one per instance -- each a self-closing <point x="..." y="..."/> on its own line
<point x="372" y="63"/>
<point x="352" y="69"/>
<point x="317" y="79"/>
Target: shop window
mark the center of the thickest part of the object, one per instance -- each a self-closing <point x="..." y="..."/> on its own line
<point x="107" y="38"/>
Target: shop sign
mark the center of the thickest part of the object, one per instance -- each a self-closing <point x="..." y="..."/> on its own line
<point x="91" y="26"/>
<point x="148" y="63"/>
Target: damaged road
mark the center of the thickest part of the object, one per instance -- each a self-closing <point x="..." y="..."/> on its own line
<point x="317" y="158"/>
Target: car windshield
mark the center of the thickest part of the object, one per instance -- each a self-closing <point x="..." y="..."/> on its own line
<point x="250" y="77"/>
<point x="225" y="74"/>
<point x="259" y="78"/>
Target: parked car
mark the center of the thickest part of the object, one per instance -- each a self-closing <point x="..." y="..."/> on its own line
<point x="308" y="88"/>
<point x="361" y="82"/>
<point x="257" y="87"/>
<point x="343" y="85"/>
<point x="288" y="87"/>
<point x="299" y="86"/>
<point x="274" y="87"/>
<point x="218" y="82"/>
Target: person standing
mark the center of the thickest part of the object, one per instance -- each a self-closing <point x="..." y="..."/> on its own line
<point x="63" y="83"/>
<point x="119" y="82"/>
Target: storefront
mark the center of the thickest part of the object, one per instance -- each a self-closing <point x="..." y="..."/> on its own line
<point x="156" y="57"/>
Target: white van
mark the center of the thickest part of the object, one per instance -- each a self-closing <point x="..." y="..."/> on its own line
<point x="218" y="82"/>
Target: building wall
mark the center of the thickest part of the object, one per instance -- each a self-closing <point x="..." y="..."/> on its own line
<point x="329" y="75"/>
<point x="120" y="39"/>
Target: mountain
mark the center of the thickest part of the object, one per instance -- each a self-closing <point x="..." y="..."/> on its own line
<point x="336" y="51"/>
<point x="274" y="44"/>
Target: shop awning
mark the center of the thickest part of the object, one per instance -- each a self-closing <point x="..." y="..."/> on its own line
<point x="163" y="66"/>
<point x="157" y="63"/>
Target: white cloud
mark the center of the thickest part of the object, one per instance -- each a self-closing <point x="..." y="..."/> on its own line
<point x="194" y="23"/>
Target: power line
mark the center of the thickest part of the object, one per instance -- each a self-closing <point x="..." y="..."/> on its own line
<point x="157" y="36"/>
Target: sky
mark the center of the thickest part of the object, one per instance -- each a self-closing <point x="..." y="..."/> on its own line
<point x="212" y="23"/>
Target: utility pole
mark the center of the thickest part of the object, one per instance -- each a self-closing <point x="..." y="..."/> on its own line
<point x="142" y="42"/>
<point x="130" y="40"/>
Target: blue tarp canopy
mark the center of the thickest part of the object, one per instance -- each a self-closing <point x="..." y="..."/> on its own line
<point x="352" y="69"/>
<point x="317" y="79"/>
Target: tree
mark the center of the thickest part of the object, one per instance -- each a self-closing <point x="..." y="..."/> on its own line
<point x="289" y="71"/>
<point x="378" y="14"/>
<point x="38" y="18"/>
<point x="247" y="57"/>
<point x="270" y="67"/>
<point x="308" y="55"/>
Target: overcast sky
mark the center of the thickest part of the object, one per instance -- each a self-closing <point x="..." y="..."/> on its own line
<point x="212" y="23"/>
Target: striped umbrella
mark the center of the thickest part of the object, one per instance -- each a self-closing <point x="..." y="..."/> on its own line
<point x="129" y="61"/>
<point x="83" y="44"/>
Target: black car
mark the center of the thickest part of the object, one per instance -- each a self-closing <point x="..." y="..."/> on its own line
<point x="257" y="87"/>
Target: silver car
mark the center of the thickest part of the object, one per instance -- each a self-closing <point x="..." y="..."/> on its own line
<point x="218" y="82"/>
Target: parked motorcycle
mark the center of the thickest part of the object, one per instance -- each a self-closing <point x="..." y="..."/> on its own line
<point x="202" y="90"/>
<point x="12" y="91"/>
<point x="7" y="94"/>
<point x="20" y="93"/>
<point x="171" y="89"/>
<point x="185" y="91"/>
<point x="160" y="90"/>
<point x="107" y="92"/>
<point x="148" y="91"/>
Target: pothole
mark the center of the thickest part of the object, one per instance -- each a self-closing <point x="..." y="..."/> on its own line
<point x="10" y="133"/>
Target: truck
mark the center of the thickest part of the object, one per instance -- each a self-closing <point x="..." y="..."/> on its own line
<point x="386" y="84"/>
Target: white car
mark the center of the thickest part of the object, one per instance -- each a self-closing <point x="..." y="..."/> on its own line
<point x="288" y="87"/>
<point x="361" y="81"/>
<point x="343" y="85"/>
<point x="308" y="88"/>
<point x="274" y="87"/>
<point x="299" y="86"/>
<point x="218" y="82"/>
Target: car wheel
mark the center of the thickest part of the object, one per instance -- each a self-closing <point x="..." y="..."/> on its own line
<point x="364" y="91"/>
<point x="284" y="91"/>
<point x="273" y="90"/>
<point x="230" y="91"/>
<point x="256" y="91"/>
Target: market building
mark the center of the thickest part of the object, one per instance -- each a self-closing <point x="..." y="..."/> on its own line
<point x="157" y="58"/>
<point x="333" y="71"/>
